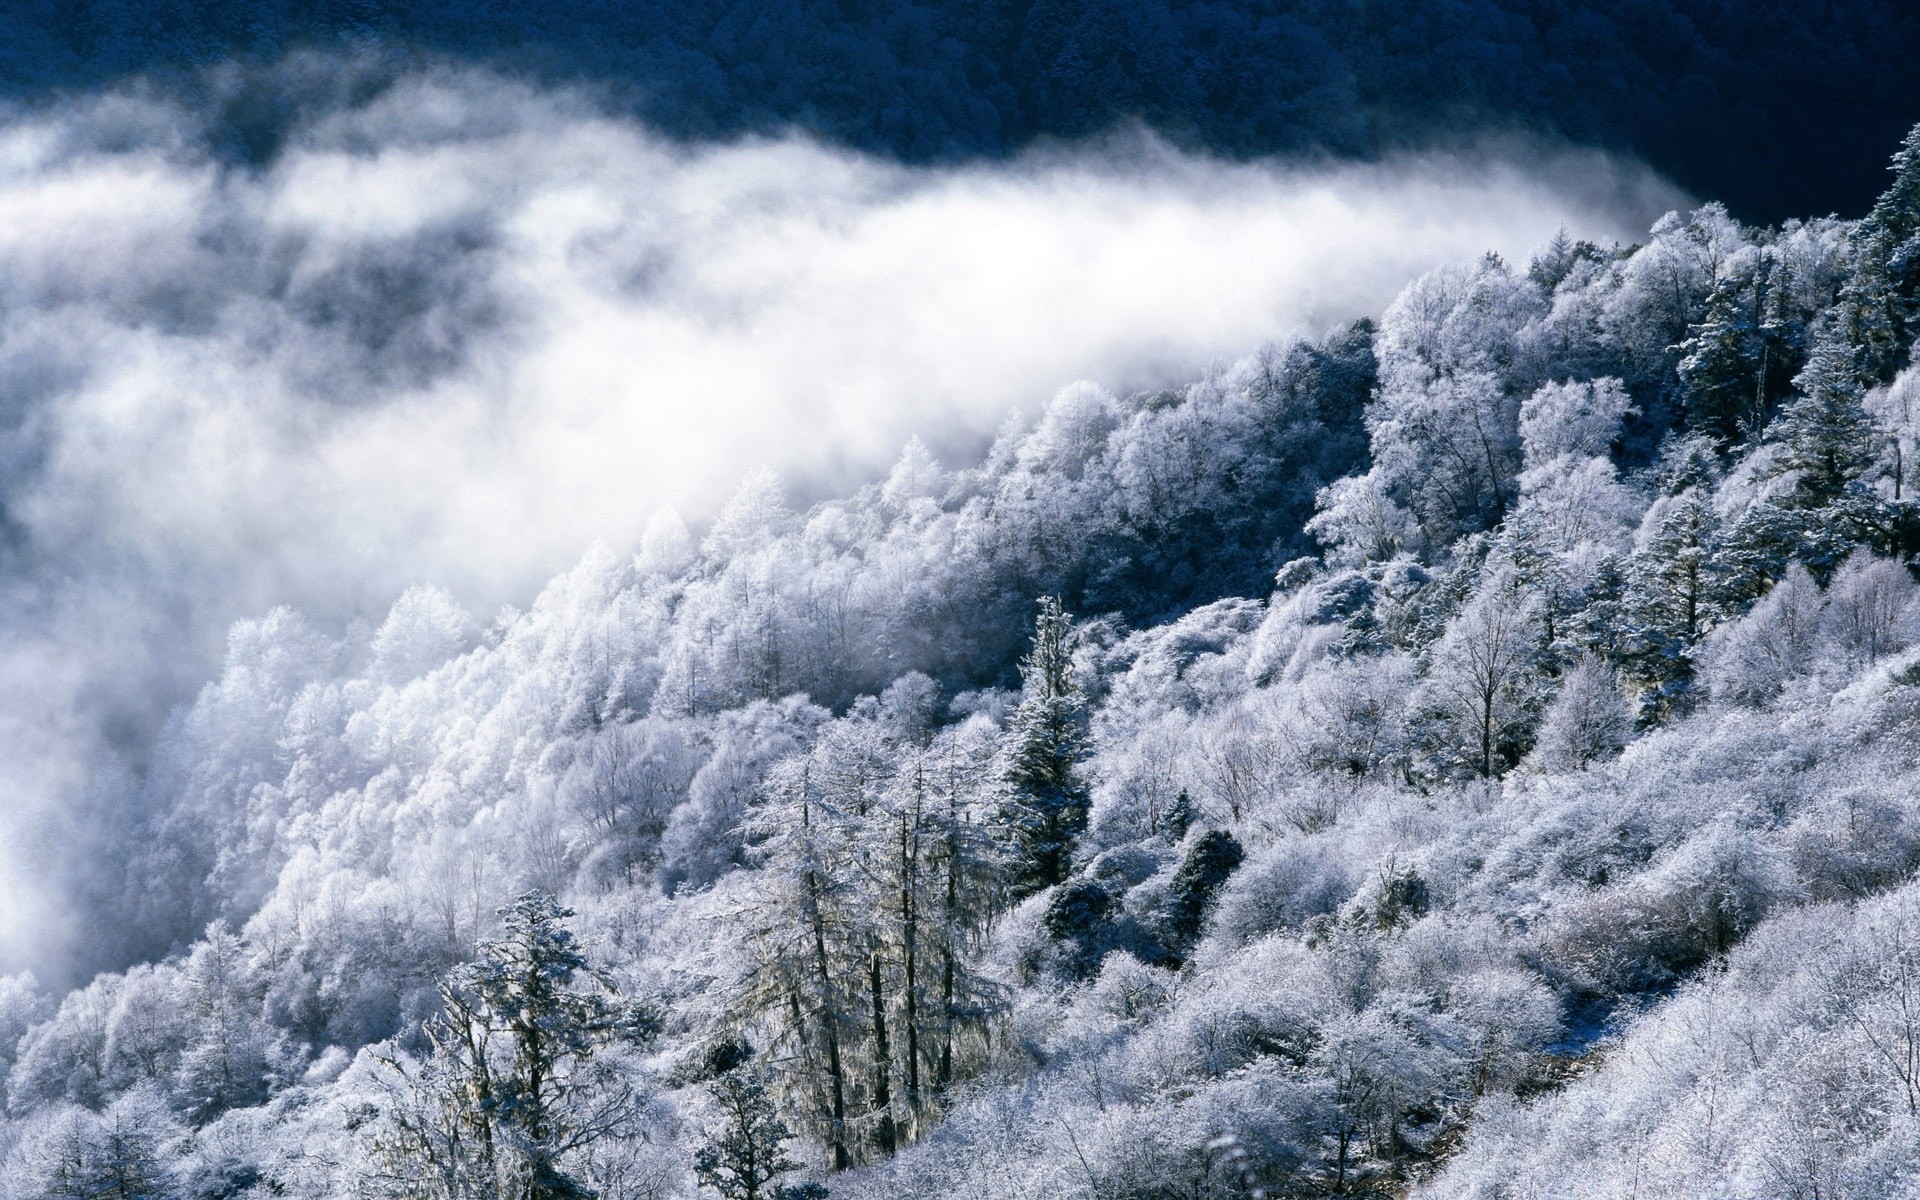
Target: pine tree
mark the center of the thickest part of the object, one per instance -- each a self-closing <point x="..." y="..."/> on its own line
<point x="1047" y="801"/>
<point x="1671" y="587"/>
<point x="1181" y="816"/>
<point x="1599" y="624"/>
<point x="744" y="1158"/>
<point x="516" y="1086"/>
<point x="1213" y="858"/>
<point x="963" y="869"/>
<point x="228" y="1061"/>
<point x="1754" y="551"/>
<point x="1555" y="261"/>
<point x="120" y="1154"/>
<point x="903" y="839"/>
<point x="1724" y="367"/>
<point x="856" y="931"/>
<point x="1880" y="303"/>
<point x="1824" y="431"/>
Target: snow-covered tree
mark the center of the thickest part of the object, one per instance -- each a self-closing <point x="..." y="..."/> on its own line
<point x="1823" y="431"/>
<point x="1483" y="682"/>
<point x="744" y="1158"/>
<point x="1589" y="720"/>
<point x="520" y="1082"/>
<point x="1047" y="799"/>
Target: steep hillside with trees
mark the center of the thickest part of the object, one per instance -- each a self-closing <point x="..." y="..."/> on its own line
<point x="1467" y="755"/>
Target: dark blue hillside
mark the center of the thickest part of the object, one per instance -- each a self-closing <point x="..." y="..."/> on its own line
<point x="1778" y="108"/>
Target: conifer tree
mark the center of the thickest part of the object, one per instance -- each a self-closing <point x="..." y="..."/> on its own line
<point x="1214" y="856"/>
<point x="804" y="942"/>
<point x="1047" y="801"/>
<point x="515" y="1087"/>
<point x="1669" y="596"/>
<point x="1725" y="363"/>
<point x="1599" y="625"/>
<point x="1880" y="303"/>
<point x="965" y="879"/>
<point x="228" y="1060"/>
<point x="120" y="1154"/>
<point x="1181" y="816"/>
<point x="1824" y="431"/>
<point x="748" y="1154"/>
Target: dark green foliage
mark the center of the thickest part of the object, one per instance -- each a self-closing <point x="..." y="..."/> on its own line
<point x="1361" y="634"/>
<point x="1685" y="461"/>
<point x="1823" y="432"/>
<point x="724" y="1055"/>
<point x="1724" y="371"/>
<point x="744" y="1158"/>
<point x="1672" y="585"/>
<point x="1085" y="921"/>
<point x="1214" y="856"/>
<point x="1598" y="622"/>
<point x="1078" y="915"/>
<point x="1180" y="816"/>
<point x="1046" y="806"/>
<point x="1880" y="305"/>
<point x="1558" y="259"/>
<point x="516" y="1085"/>
<point x="1755" y="551"/>
<point x="1401" y="899"/>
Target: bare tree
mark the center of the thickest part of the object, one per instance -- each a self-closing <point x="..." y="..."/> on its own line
<point x="1484" y="673"/>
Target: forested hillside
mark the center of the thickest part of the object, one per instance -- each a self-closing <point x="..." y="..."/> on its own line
<point x="1470" y="754"/>
<point x="1775" y="108"/>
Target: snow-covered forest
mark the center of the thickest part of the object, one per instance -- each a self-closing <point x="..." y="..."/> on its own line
<point x="1468" y="754"/>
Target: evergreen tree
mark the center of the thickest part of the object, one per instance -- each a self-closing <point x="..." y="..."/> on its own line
<point x="744" y="1159"/>
<point x="116" y="1155"/>
<point x="1079" y="918"/>
<point x="1824" y="431"/>
<point x="1723" y="371"/>
<point x="803" y="938"/>
<point x="1558" y="258"/>
<point x="1047" y="801"/>
<point x="854" y="937"/>
<point x="1599" y="625"/>
<point x="922" y="887"/>
<point x="1181" y="816"/>
<point x="1754" y="552"/>
<point x="515" y="1087"/>
<point x="966" y="882"/>
<point x="1669" y="596"/>
<point x="228" y="1062"/>
<point x="1214" y="856"/>
<point x="1880" y="303"/>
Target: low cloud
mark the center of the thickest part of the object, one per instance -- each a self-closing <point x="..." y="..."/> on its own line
<point x="456" y="333"/>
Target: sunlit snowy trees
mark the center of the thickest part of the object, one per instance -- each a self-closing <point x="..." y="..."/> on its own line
<point x="519" y="1082"/>
<point x="1538" y="814"/>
